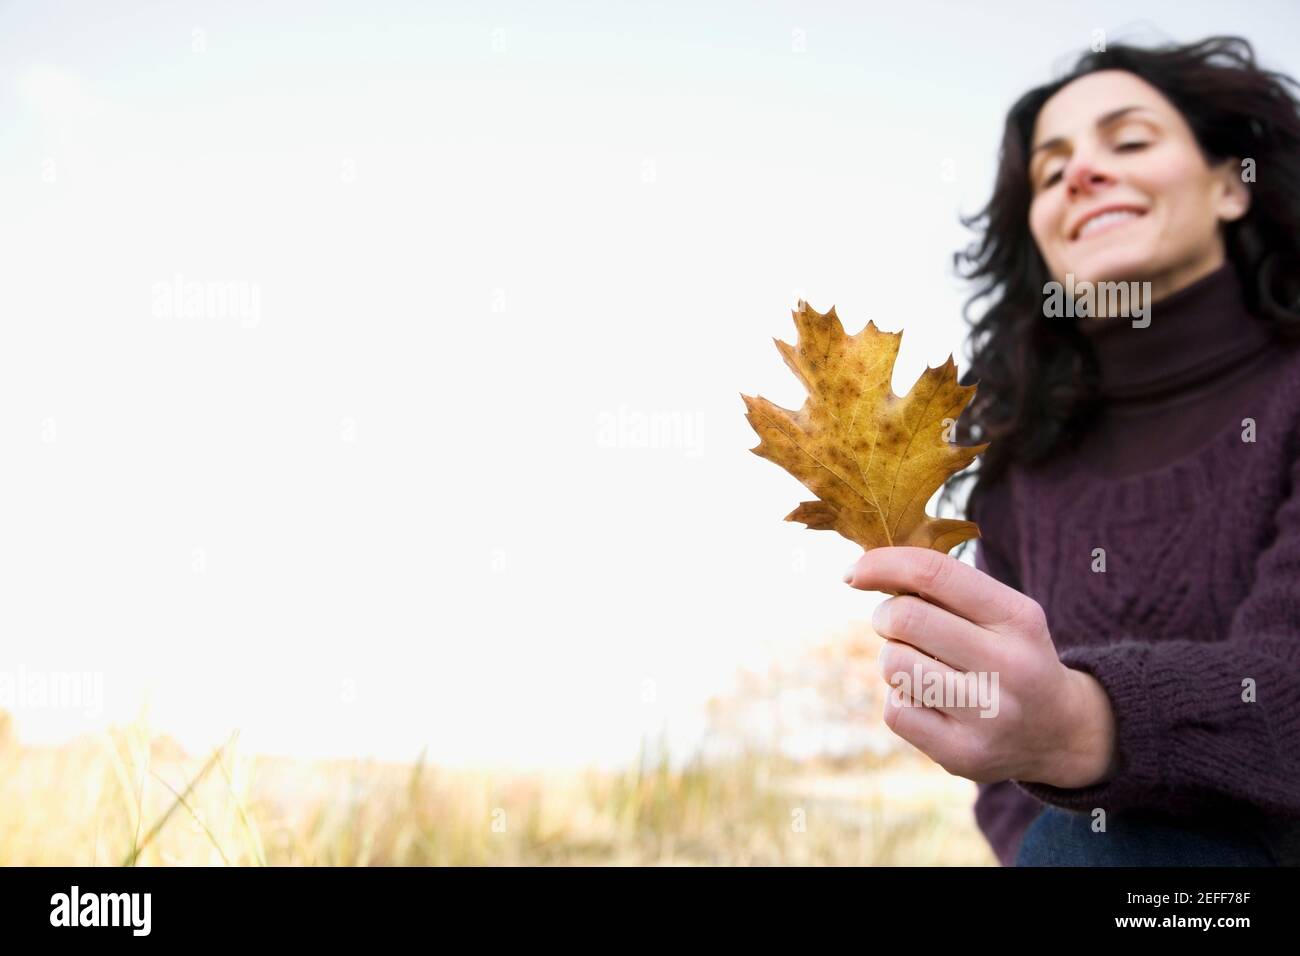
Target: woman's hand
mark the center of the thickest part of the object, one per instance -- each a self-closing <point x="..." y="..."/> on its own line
<point x="1000" y="705"/>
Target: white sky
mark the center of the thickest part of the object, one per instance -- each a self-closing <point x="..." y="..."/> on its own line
<point x="484" y="239"/>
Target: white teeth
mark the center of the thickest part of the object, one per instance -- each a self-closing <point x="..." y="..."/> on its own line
<point x="1106" y="217"/>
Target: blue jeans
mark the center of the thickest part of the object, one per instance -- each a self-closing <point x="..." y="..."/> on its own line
<point x="1065" y="838"/>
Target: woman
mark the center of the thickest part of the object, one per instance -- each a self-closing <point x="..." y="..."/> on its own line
<point x="1136" y="588"/>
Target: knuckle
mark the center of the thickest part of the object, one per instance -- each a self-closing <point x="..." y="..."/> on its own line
<point x="1030" y="615"/>
<point x="904" y="615"/>
<point x="1011" y="710"/>
<point x="887" y="661"/>
<point x="933" y="570"/>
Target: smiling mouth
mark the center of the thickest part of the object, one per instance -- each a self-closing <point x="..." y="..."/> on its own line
<point x="1106" y="222"/>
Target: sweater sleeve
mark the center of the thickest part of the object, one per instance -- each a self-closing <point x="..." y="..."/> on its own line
<point x="1190" y="736"/>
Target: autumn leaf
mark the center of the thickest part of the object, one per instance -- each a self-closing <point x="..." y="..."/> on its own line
<point x="873" y="459"/>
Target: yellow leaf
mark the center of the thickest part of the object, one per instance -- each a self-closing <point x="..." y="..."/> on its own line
<point x="873" y="459"/>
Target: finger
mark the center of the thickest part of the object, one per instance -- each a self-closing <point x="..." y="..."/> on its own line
<point x="921" y="680"/>
<point x="923" y="728"/>
<point x="943" y="580"/>
<point x="936" y="631"/>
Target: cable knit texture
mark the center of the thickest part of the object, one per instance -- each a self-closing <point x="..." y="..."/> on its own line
<point x="1199" y="600"/>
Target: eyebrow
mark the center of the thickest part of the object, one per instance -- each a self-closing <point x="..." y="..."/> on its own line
<point x="1101" y="123"/>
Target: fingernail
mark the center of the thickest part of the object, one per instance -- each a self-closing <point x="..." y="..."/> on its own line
<point x="880" y="617"/>
<point x="848" y="575"/>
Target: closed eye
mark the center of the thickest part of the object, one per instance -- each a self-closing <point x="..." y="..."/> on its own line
<point x="1122" y="147"/>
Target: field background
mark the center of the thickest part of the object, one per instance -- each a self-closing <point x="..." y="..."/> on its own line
<point x="798" y="769"/>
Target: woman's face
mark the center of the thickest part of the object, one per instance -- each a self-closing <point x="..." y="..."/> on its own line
<point x="1111" y="140"/>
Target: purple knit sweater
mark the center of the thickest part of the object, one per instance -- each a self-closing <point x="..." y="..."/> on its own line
<point x="1200" y="596"/>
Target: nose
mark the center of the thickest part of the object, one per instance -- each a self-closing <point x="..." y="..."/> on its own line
<point x="1083" y="176"/>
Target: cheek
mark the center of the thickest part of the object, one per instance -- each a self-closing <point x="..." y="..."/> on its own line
<point x="1179" y="188"/>
<point x="1042" y="222"/>
<point x="1045" y="227"/>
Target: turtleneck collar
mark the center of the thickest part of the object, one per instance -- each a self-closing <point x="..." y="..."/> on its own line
<point x="1195" y="334"/>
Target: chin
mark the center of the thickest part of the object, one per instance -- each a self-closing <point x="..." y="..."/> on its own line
<point x="1112" y="267"/>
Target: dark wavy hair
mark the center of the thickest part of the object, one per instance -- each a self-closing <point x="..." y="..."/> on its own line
<point x="1038" y="379"/>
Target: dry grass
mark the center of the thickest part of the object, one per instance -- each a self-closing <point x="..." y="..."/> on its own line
<point x="124" y="798"/>
<point x="133" y="797"/>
